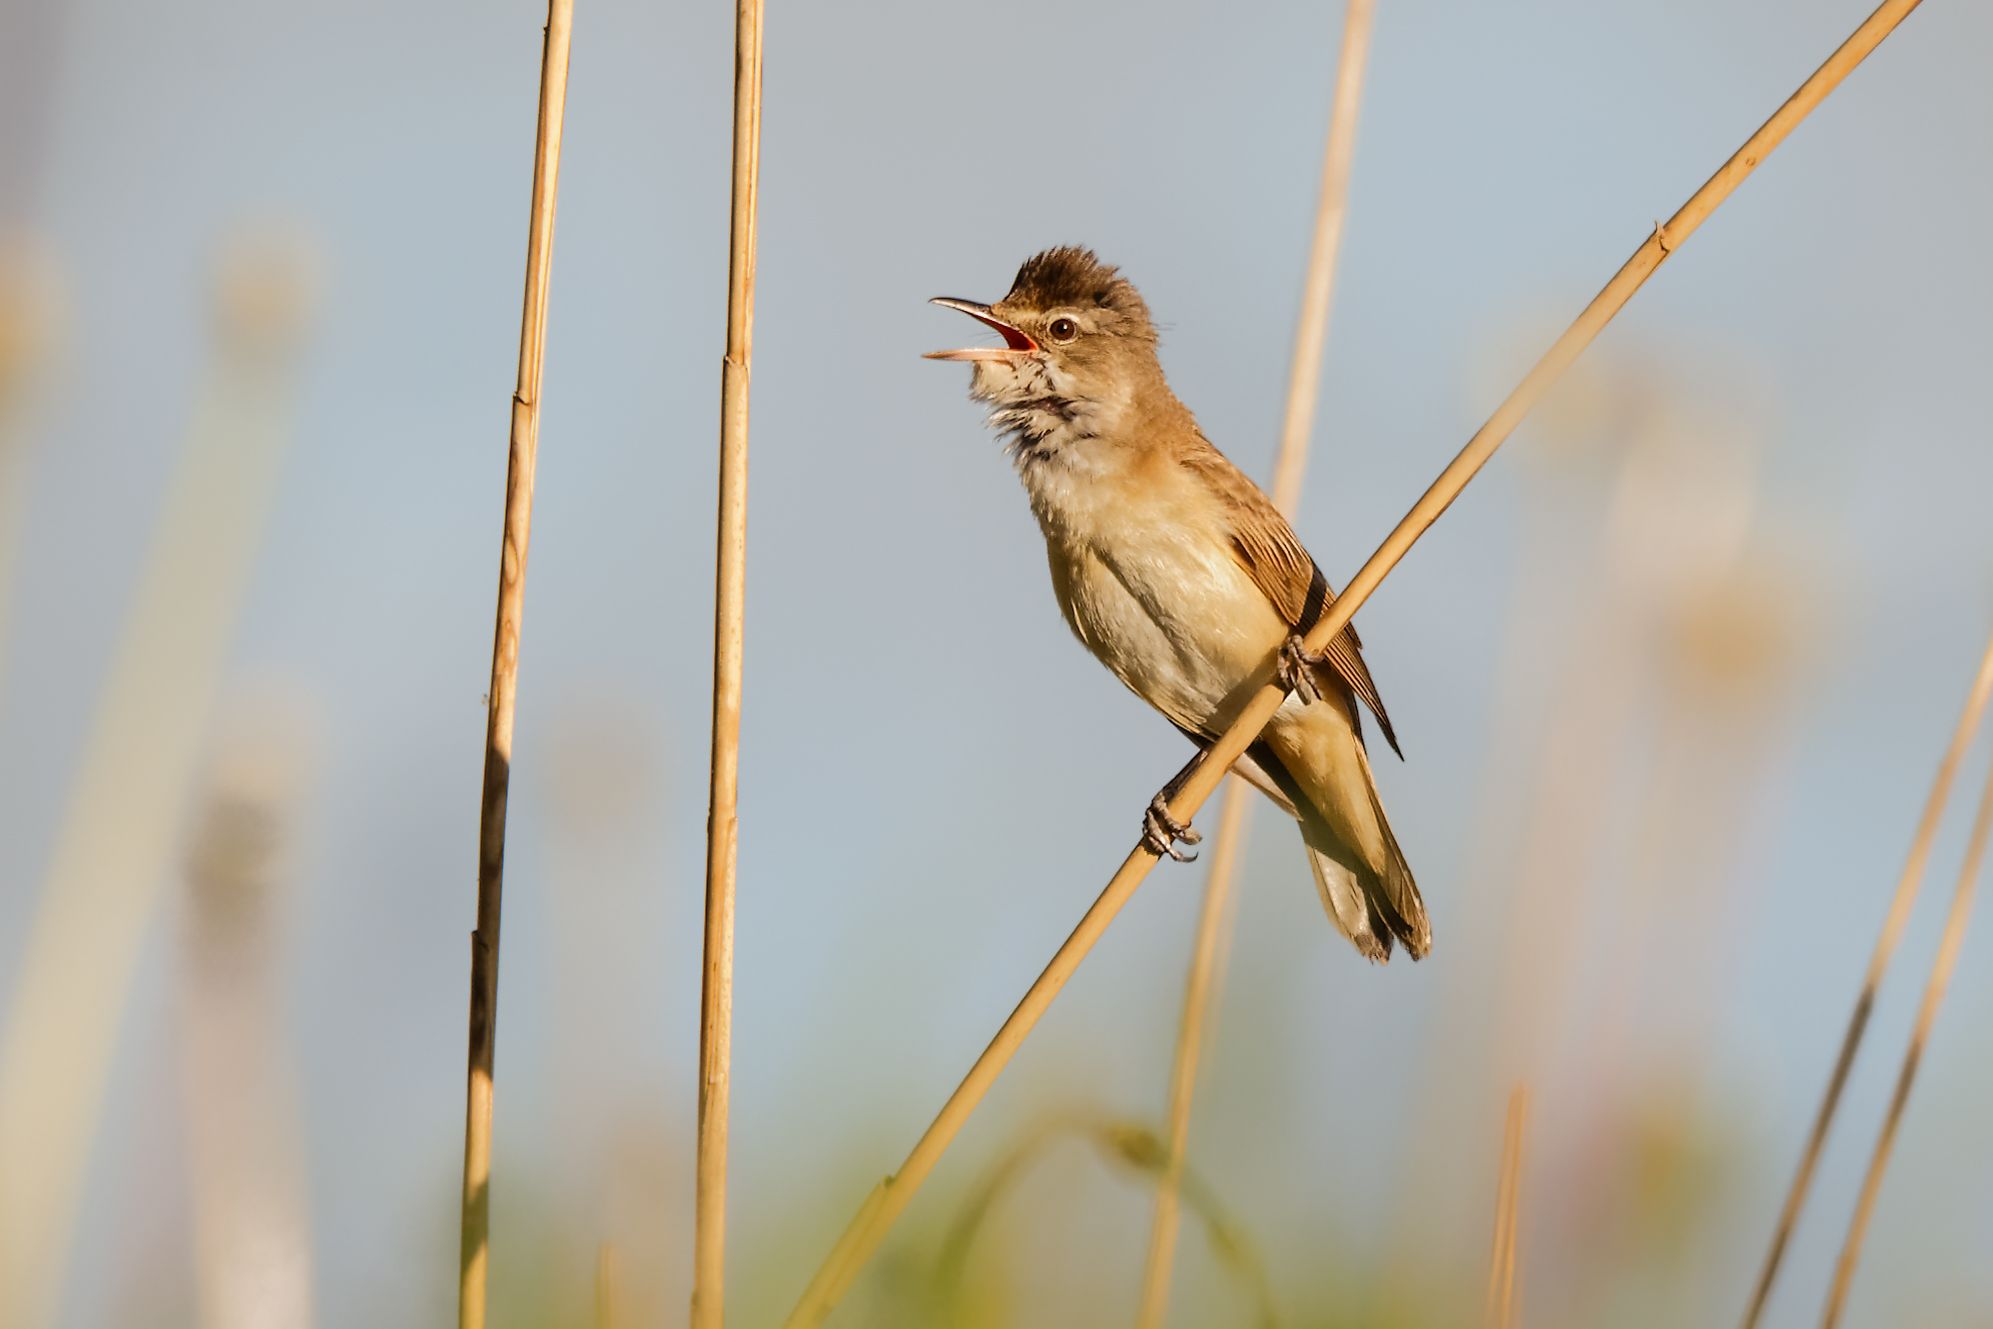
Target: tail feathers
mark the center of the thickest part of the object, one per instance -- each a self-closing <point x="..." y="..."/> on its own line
<point x="1392" y="892"/>
<point x="1374" y="906"/>
<point x="1349" y="907"/>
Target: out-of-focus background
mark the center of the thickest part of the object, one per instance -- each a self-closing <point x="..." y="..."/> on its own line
<point x="1671" y="679"/>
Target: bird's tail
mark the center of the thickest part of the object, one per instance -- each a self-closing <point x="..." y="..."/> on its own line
<point x="1373" y="907"/>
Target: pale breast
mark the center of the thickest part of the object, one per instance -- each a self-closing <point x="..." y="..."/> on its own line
<point x="1149" y="584"/>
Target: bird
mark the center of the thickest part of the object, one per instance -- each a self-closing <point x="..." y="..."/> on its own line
<point x="1173" y="568"/>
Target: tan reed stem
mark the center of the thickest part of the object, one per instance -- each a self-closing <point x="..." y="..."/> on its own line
<point x="1893" y="923"/>
<point x="27" y="319"/>
<point x="1200" y="993"/>
<point x="891" y="1196"/>
<point x="1311" y="333"/>
<point x="608" y="1287"/>
<point x="1290" y="464"/>
<point x="1501" y="1308"/>
<point x="716" y="994"/>
<point x="245" y="1164"/>
<point x="523" y="450"/>
<point x="123" y="816"/>
<point x="1927" y="1015"/>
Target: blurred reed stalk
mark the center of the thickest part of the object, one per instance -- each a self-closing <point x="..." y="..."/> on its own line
<point x="1125" y="1144"/>
<point x="1501" y="1309"/>
<point x="30" y="319"/>
<point x="117" y="836"/>
<point x="1898" y="917"/>
<point x="1536" y="822"/>
<point x="608" y="1286"/>
<point x="1205" y="979"/>
<point x="891" y="1196"/>
<point x="523" y="449"/>
<point x="1927" y="1014"/>
<point x="245" y="1163"/>
<point x="1494" y="1027"/>
<point x="716" y="990"/>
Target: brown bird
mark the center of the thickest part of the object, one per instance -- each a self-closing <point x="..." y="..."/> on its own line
<point x="1184" y="580"/>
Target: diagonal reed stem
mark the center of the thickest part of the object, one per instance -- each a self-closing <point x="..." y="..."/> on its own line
<point x="716" y="993"/>
<point x="62" y="1009"/>
<point x="1886" y="942"/>
<point x="1204" y="980"/>
<point x="523" y="449"/>
<point x="890" y="1198"/>
<point x="1927" y="1015"/>
<point x="1501" y="1307"/>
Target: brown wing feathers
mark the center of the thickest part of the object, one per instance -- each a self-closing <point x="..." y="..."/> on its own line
<point x="1273" y="556"/>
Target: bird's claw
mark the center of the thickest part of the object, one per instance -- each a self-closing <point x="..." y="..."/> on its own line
<point x="1161" y="831"/>
<point x="1296" y="670"/>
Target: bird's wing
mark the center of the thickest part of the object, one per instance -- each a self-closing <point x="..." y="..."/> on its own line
<point x="1274" y="558"/>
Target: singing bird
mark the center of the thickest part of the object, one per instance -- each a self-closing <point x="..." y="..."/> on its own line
<point x="1183" y="578"/>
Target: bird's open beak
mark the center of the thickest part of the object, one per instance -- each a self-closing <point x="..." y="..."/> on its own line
<point x="1015" y="343"/>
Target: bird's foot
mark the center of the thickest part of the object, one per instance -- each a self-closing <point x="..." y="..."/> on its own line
<point x="1296" y="670"/>
<point x="1161" y="831"/>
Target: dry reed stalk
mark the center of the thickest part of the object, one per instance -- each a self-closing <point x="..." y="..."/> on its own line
<point x="1128" y="1144"/>
<point x="716" y="991"/>
<point x="1501" y="1308"/>
<point x="1534" y="823"/>
<point x="1304" y="377"/>
<point x="30" y="324"/>
<point x="608" y="1287"/>
<point x="120" y="828"/>
<point x="1886" y="942"/>
<point x="474" y="1252"/>
<point x="1927" y="1014"/>
<point x="888" y="1199"/>
<point x="246" y="1173"/>
<point x="1200" y="993"/>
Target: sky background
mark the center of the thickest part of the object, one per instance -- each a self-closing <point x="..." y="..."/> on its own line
<point x="1648" y="899"/>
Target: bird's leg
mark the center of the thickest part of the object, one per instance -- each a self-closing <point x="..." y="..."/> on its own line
<point x="1296" y="670"/>
<point x="1160" y="830"/>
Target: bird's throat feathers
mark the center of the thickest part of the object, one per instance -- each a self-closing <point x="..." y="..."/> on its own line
<point x="1035" y="413"/>
<point x="1077" y="451"/>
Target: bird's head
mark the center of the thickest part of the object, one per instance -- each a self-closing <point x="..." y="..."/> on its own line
<point x="1077" y="343"/>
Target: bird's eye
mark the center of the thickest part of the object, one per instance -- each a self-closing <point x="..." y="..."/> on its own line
<point x="1063" y="330"/>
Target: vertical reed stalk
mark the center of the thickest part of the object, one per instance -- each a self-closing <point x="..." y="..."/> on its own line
<point x="1501" y="1308"/>
<point x="890" y="1198"/>
<point x="608" y="1287"/>
<point x="1927" y="1015"/>
<point x="245" y="1163"/>
<point x="30" y="319"/>
<point x="716" y="994"/>
<point x="122" y="822"/>
<point x="1886" y="942"/>
<point x="1290" y="464"/>
<point x="474" y="1256"/>
<point x="1200" y="993"/>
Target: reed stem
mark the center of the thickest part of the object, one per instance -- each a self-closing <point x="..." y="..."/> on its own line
<point x="716" y="995"/>
<point x="61" y="1015"/>
<point x="1501" y="1308"/>
<point x="1893" y="923"/>
<point x="1927" y="1014"/>
<point x="523" y="449"/>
